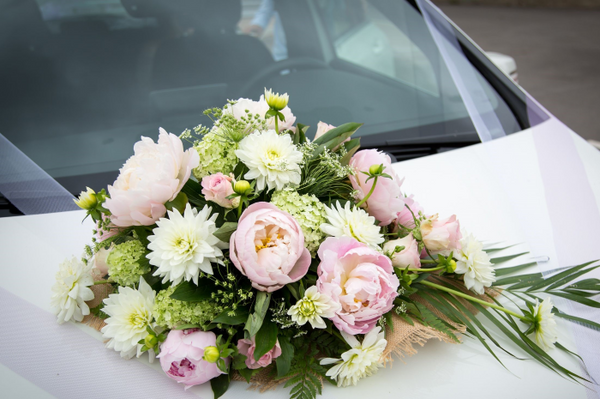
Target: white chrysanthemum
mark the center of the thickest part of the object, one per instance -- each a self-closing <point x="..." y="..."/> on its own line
<point x="312" y="308"/>
<point x="474" y="263"/>
<point x="273" y="159"/>
<point x="361" y="361"/>
<point x="184" y="245"/>
<point x="356" y="223"/>
<point x="130" y="313"/>
<point x="545" y="325"/>
<point x="71" y="290"/>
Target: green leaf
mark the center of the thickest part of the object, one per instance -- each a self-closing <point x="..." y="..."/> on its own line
<point x="584" y="322"/>
<point x="496" y="249"/>
<point x="576" y="298"/>
<point x="526" y="279"/>
<point x="247" y="373"/>
<point x="219" y="385"/>
<point x="190" y="292"/>
<point x="255" y="320"/>
<point x="225" y="231"/>
<point x="287" y="354"/>
<point x="501" y="259"/>
<point x="266" y="338"/>
<point x="193" y="190"/>
<point x="187" y="326"/>
<point x="431" y="320"/>
<point x="351" y="147"/>
<point x="178" y="203"/>
<point x="558" y="277"/>
<point x="571" y="277"/>
<point x="509" y="270"/>
<point x="241" y="315"/>
<point x="338" y="131"/>
<point x="389" y="320"/>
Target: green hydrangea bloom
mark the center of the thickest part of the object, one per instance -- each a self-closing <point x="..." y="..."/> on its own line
<point x="126" y="263"/>
<point x="308" y="211"/>
<point x="217" y="154"/>
<point x="170" y="313"/>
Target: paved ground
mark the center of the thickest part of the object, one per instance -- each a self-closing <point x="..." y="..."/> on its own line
<point x="557" y="53"/>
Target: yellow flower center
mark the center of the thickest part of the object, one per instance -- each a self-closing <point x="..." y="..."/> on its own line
<point x="307" y="307"/>
<point x="138" y="320"/>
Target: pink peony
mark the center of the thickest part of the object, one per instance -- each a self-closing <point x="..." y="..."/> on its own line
<point x="181" y="357"/>
<point x="238" y="110"/>
<point x="441" y="236"/>
<point x="409" y="256"/>
<point x="247" y="347"/>
<point x="268" y="247"/>
<point x="405" y="217"/>
<point x="387" y="200"/>
<point x="323" y="128"/>
<point x="360" y="279"/>
<point x="152" y="176"/>
<point x="217" y="188"/>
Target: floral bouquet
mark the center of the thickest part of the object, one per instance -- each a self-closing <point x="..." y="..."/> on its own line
<point x="286" y="260"/>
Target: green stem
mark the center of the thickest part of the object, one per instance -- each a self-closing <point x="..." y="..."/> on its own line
<point x="240" y="208"/>
<point x="472" y="299"/>
<point x="276" y="124"/>
<point x="369" y="194"/>
<point x="426" y="270"/>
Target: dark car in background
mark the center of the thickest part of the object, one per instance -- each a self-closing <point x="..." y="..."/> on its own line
<point x="82" y="80"/>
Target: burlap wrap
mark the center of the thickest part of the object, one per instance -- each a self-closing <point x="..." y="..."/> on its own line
<point x="402" y="341"/>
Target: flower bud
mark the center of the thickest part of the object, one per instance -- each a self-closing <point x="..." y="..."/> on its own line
<point x="376" y="169"/>
<point x="275" y="100"/>
<point x="151" y="340"/>
<point x="87" y="199"/>
<point x="211" y="354"/>
<point x="242" y="187"/>
<point x="451" y="266"/>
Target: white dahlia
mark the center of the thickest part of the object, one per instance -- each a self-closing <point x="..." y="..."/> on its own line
<point x="71" y="290"/>
<point x="545" y="325"/>
<point x="184" y="245"/>
<point x="130" y="313"/>
<point x="361" y="361"/>
<point x="474" y="263"/>
<point x="273" y="159"/>
<point x="355" y="223"/>
<point x="313" y="307"/>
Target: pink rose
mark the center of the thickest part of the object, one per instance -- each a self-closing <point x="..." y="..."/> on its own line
<point x="181" y="357"/>
<point x="268" y="247"/>
<point x="247" y="347"/>
<point x="152" y="176"/>
<point x="386" y="200"/>
<point x="409" y="256"/>
<point x="405" y="216"/>
<point x="217" y="188"/>
<point x="360" y="279"/>
<point x="441" y="236"/>
<point x="323" y="128"/>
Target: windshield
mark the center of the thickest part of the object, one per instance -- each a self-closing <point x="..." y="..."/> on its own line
<point x="82" y="80"/>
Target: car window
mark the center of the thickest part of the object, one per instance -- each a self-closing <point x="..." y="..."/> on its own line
<point x="82" y="80"/>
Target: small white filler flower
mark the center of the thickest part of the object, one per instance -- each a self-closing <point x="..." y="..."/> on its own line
<point x="130" y="313"/>
<point x="272" y="159"/>
<point x="71" y="290"/>
<point x="313" y="307"/>
<point x="356" y="223"/>
<point x="545" y="325"/>
<point x="363" y="360"/>
<point x="474" y="263"/>
<point x="184" y="245"/>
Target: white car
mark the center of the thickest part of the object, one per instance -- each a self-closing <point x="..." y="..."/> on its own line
<point x="83" y="80"/>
